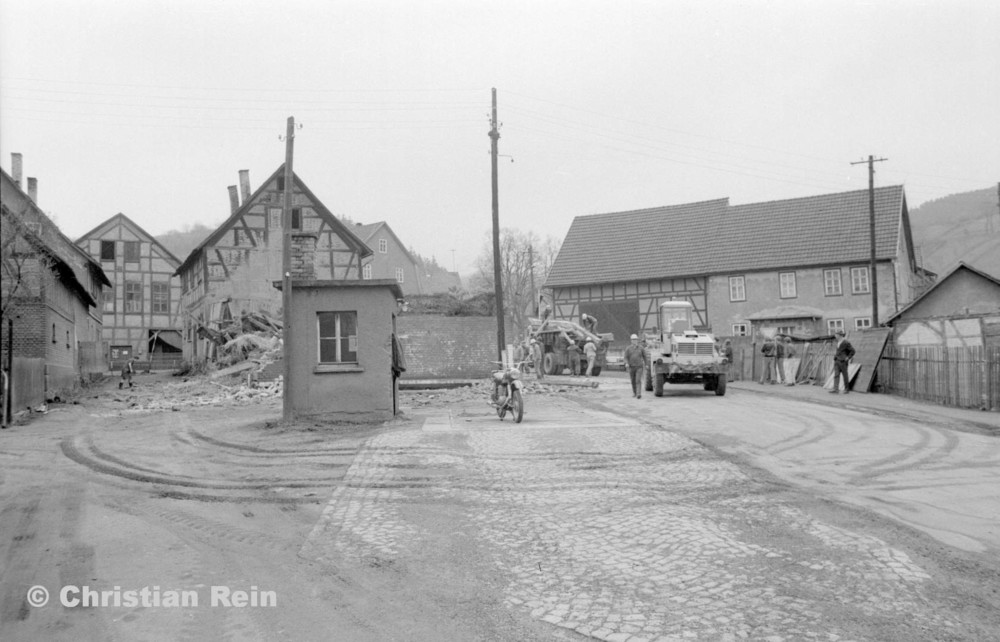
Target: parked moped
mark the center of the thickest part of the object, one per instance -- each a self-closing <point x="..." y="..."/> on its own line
<point x="507" y="395"/>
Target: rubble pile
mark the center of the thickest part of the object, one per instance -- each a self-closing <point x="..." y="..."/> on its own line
<point x="255" y="336"/>
<point x="201" y="392"/>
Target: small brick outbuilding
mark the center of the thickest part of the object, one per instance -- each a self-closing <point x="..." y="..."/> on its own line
<point x="341" y="349"/>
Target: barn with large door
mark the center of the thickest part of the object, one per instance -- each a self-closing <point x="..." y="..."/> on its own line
<point x="619" y="267"/>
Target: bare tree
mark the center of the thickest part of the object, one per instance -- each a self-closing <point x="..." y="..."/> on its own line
<point x="517" y="251"/>
<point x="23" y="260"/>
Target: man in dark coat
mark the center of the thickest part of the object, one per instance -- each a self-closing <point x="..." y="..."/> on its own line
<point x="635" y="360"/>
<point x="841" y="360"/>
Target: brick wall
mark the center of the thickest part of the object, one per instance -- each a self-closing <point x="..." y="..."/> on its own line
<point x="30" y="339"/>
<point x="437" y="347"/>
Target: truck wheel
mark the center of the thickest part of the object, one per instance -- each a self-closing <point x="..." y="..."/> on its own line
<point x="549" y="364"/>
<point x="709" y="384"/>
<point x="720" y="387"/>
<point x="658" y="386"/>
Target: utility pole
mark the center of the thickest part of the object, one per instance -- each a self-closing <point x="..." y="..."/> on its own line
<point x="286" y="273"/>
<point x="531" y="267"/>
<point x="497" y="284"/>
<point x="873" y="276"/>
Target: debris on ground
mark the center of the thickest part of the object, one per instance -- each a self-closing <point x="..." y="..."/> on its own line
<point x="481" y="390"/>
<point x="201" y="391"/>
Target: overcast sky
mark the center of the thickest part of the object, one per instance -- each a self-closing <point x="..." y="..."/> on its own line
<point x="151" y="108"/>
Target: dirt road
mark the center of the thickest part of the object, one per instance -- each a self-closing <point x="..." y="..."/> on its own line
<point x="599" y="517"/>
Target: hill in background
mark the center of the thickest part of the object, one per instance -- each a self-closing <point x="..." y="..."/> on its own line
<point x="181" y="242"/>
<point x="958" y="228"/>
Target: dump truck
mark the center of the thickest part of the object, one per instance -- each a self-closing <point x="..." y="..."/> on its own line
<point x="555" y="360"/>
<point x="678" y="353"/>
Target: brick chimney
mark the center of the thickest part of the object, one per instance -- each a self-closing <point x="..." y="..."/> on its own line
<point x="245" y="184"/>
<point x="15" y="167"/>
<point x="304" y="255"/>
<point x="234" y="199"/>
<point x="33" y="189"/>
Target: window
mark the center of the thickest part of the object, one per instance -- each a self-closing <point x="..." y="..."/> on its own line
<point x="274" y="217"/>
<point x="132" y="251"/>
<point x="296" y="219"/>
<point x="832" y="325"/>
<point x="860" y="323"/>
<point x="740" y="330"/>
<point x="160" y="296"/>
<point x="107" y="250"/>
<point x="859" y="280"/>
<point x="366" y="271"/>
<point x="399" y="274"/>
<point x="53" y="333"/>
<point x="67" y="338"/>
<point x="383" y="246"/>
<point x="737" y="288"/>
<point x="831" y="282"/>
<point x="281" y="183"/>
<point x="109" y="300"/>
<point x="787" y="284"/>
<point x="133" y="296"/>
<point x="786" y="329"/>
<point x="338" y="337"/>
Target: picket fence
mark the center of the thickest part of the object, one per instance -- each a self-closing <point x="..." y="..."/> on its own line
<point x="967" y="377"/>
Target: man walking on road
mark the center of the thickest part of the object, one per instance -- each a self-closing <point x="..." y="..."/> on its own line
<point x="841" y="361"/>
<point x="635" y="361"/>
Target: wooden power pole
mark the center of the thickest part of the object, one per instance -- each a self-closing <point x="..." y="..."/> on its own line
<point x="286" y="274"/>
<point x="873" y="276"/>
<point x="497" y="283"/>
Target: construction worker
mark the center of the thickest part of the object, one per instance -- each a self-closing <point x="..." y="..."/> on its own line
<point x="589" y="323"/>
<point x="127" y="371"/>
<point x="538" y="357"/>
<point x="635" y="361"/>
<point x="590" y="350"/>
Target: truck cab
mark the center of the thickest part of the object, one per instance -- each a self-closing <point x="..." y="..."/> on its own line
<point x="678" y="353"/>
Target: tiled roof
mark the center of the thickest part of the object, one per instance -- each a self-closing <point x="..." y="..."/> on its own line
<point x="714" y="237"/>
<point x="641" y="244"/>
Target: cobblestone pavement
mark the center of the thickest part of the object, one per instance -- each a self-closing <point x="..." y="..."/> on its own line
<point x="613" y="529"/>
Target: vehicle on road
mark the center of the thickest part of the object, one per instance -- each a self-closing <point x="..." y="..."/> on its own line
<point x="507" y="395"/>
<point x="556" y="360"/>
<point x="682" y="354"/>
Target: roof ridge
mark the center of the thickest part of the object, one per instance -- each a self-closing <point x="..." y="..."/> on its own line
<point x="658" y="208"/>
<point x="818" y="196"/>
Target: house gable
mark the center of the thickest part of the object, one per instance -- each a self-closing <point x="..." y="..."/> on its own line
<point x="253" y="223"/>
<point x="962" y="292"/>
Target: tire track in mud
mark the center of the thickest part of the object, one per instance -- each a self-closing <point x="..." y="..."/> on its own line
<point x="203" y="536"/>
<point x="918" y="455"/>
<point x="84" y="452"/>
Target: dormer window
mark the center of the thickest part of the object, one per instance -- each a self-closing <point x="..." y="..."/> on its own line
<point x="383" y="246"/>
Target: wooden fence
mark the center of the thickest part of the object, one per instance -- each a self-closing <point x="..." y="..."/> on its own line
<point x="964" y="377"/>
